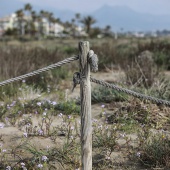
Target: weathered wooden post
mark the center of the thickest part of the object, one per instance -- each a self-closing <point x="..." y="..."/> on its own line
<point x="85" y="95"/>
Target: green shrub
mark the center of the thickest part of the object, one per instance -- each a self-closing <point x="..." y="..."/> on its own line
<point x="161" y="51"/>
<point x="102" y="94"/>
<point x="68" y="107"/>
<point x="142" y="71"/>
<point x="154" y="151"/>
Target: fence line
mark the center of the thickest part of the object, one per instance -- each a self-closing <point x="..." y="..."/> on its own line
<point x="76" y="79"/>
<point x="130" y="92"/>
<point x="87" y="60"/>
<point x="50" y="67"/>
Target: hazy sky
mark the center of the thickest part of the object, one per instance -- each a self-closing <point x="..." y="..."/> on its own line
<point x="149" y="6"/>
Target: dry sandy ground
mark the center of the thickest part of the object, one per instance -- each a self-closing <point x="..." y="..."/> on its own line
<point x="10" y="135"/>
<point x="96" y="109"/>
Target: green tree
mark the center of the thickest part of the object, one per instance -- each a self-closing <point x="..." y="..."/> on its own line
<point x="48" y="16"/>
<point x="50" y="19"/>
<point x="34" y="17"/>
<point x="95" y="32"/>
<point x="73" y="27"/>
<point x="28" y="8"/>
<point x="21" y="21"/>
<point x="108" y="31"/>
<point x="11" y="32"/>
<point x="43" y="14"/>
<point x="88" y="22"/>
<point x="77" y="18"/>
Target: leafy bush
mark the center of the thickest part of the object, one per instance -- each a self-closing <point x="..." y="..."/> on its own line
<point x="142" y="71"/>
<point x="102" y="94"/>
<point x="154" y="151"/>
<point x="68" y="107"/>
<point x="161" y="51"/>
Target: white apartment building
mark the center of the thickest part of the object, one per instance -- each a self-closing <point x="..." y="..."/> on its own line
<point x="11" y="22"/>
<point x="55" y="29"/>
<point x="7" y="22"/>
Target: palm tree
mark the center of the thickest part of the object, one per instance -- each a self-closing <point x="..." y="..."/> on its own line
<point x="34" y="19"/>
<point x="88" y="21"/>
<point x="40" y="18"/>
<point x="108" y="30"/>
<point x="40" y="25"/>
<point x="21" y="24"/>
<point x="28" y="8"/>
<point x="67" y="24"/>
<point x="57" y="20"/>
<point x="48" y="16"/>
<point x="73" y="27"/>
<point x="77" y="17"/>
<point x="42" y="12"/>
<point x="50" y="19"/>
<point x="33" y="16"/>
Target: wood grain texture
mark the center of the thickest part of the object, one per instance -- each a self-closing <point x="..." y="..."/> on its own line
<point x="85" y="95"/>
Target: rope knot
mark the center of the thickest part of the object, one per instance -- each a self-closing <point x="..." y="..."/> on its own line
<point x="93" y="60"/>
<point x="76" y="80"/>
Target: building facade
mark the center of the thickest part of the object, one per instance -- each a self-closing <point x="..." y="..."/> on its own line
<point x="46" y="28"/>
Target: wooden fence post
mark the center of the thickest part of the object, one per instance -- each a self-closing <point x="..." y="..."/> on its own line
<point x="85" y="95"/>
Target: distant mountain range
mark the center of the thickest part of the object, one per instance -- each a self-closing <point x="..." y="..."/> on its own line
<point x="118" y="17"/>
<point x="127" y="19"/>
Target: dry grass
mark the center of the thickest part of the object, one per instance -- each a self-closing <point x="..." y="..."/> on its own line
<point x="128" y="134"/>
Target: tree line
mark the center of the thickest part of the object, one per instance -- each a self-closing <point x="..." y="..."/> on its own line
<point x="27" y="19"/>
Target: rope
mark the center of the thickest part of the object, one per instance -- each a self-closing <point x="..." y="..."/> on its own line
<point x="52" y="66"/>
<point x="132" y="93"/>
<point x="76" y="80"/>
<point x="93" y="60"/>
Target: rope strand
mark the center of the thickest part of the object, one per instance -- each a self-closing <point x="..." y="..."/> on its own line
<point x="100" y="82"/>
<point x="132" y="93"/>
<point x="52" y="66"/>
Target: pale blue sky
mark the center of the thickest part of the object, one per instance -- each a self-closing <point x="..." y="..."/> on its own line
<point x="146" y="6"/>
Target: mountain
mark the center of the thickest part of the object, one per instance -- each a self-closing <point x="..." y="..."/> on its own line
<point x="122" y="17"/>
<point x="118" y="17"/>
